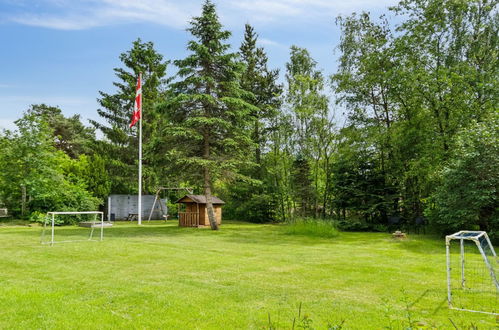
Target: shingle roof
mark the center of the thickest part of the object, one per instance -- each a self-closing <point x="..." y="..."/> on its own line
<point x="201" y="199"/>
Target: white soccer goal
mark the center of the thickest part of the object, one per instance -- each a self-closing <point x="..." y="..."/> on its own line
<point x="472" y="267"/>
<point x="97" y="222"/>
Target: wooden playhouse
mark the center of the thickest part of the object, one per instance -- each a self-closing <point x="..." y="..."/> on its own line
<point x="196" y="213"/>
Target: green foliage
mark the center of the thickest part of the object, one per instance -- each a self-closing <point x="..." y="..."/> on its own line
<point x="419" y="99"/>
<point x="33" y="176"/>
<point x="207" y="114"/>
<point x="255" y="199"/>
<point x="70" y="135"/>
<point x="41" y="218"/>
<point x="296" y="168"/>
<point x="120" y="147"/>
<point x="409" y="93"/>
<point x="359" y="186"/>
<point x="311" y="227"/>
<point x="264" y="91"/>
<point x="207" y="110"/>
<point x="468" y="196"/>
<point x="90" y="171"/>
<point x="301" y="183"/>
<point x="249" y="200"/>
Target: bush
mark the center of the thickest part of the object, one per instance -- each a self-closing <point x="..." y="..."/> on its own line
<point x="249" y="203"/>
<point x="311" y="227"/>
<point x="34" y="170"/>
<point x="468" y="196"/>
<point x="39" y="217"/>
<point x="354" y="223"/>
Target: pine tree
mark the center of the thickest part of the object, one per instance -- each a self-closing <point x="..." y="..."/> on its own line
<point x="208" y="113"/>
<point x="255" y="200"/>
<point x="70" y="135"/>
<point x="262" y="83"/>
<point x="121" y="141"/>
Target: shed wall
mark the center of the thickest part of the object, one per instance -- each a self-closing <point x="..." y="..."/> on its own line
<point x="122" y="205"/>
<point x="203" y="215"/>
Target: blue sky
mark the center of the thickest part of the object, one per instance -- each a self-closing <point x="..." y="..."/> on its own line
<point x="62" y="52"/>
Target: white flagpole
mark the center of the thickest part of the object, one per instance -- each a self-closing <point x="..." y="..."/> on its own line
<point x="139" y="215"/>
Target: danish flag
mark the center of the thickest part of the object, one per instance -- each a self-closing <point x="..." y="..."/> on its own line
<point x="137" y="107"/>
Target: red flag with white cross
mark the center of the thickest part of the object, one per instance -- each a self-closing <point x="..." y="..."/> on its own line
<point x="137" y="107"/>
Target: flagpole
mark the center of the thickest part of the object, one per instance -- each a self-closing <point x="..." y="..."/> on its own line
<point x="139" y="215"/>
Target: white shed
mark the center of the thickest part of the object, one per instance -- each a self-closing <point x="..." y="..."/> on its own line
<point x="119" y="207"/>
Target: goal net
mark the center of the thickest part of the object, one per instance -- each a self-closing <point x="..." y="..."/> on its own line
<point x="472" y="270"/>
<point x="87" y="223"/>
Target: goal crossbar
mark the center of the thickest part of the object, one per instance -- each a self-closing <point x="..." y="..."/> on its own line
<point x="92" y="225"/>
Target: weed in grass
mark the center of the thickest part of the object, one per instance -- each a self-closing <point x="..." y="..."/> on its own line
<point x="387" y="313"/>
<point x="311" y="227"/>
<point x="407" y="308"/>
<point x="338" y="326"/>
<point x="271" y="325"/>
<point x="471" y="326"/>
<point x="304" y="322"/>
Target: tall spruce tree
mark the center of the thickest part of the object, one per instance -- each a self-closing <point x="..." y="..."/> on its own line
<point x="121" y="141"/>
<point x="208" y="112"/>
<point x="265" y="94"/>
<point x="255" y="200"/>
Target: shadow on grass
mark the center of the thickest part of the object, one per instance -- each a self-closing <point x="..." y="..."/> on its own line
<point x="231" y="231"/>
<point x="237" y="232"/>
<point x="15" y="223"/>
<point x="423" y="245"/>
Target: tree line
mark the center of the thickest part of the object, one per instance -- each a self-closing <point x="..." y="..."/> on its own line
<point x="405" y="130"/>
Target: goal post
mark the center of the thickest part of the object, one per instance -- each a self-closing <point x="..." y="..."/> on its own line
<point x="98" y="222"/>
<point x="472" y="272"/>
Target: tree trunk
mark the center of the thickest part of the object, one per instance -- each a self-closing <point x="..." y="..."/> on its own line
<point x="326" y="188"/>
<point x="207" y="184"/>
<point x="258" y="151"/>
<point x="209" y="204"/>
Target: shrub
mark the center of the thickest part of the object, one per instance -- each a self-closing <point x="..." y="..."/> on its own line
<point x="34" y="170"/>
<point x="468" y="195"/>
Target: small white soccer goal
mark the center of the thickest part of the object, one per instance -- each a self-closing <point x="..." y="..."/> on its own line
<point x="97" y="222"/>
<point x="472" y="267"/>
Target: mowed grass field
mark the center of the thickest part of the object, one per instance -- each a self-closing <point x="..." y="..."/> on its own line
<point x="245" y="276"/>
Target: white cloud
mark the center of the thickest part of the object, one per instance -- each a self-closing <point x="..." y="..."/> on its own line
<point x="58" y="23"/>
<point x="71" y="15"/>
<point x="64" y="15"/>
<point x="278" y="10"/>
<point x="268" y="42"/>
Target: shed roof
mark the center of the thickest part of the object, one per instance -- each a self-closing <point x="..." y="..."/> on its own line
<point x="200" y="199"/>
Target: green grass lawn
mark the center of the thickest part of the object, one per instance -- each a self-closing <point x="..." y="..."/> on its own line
<point x="161" y="276"/>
